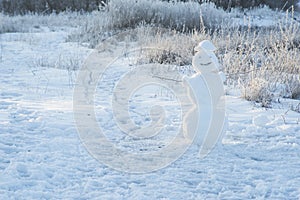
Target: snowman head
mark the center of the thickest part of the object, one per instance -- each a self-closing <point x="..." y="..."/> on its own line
<point x="204" y="59"/>
<point x="205" y="45"/>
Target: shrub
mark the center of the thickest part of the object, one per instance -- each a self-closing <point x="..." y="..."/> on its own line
<point x="264" y="63"/>
<point x="167" y="47"/>
<point x="258" y="90"/>
<point x="251" y="57"/>
<point x="129" y="14"/>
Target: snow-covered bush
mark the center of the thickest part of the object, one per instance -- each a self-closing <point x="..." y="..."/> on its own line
<point x="181" y="16"/>
<point x="258" y="90"/>
<point x="11" y="24"/>
<point x="253" y="58"/>
<point x="167" y="46"/>
<point x="129" y="14"/>
<point x="126" y="14"/>
<point x="263" y="62"/>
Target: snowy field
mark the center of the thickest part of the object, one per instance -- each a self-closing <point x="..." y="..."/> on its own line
<point x="42" y="157"/>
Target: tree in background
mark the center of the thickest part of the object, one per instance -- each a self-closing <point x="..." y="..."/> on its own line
<point x="274" y="4"/>
<point x="14" y="7"/>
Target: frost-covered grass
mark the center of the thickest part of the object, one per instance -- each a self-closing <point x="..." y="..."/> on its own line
<point x="258" y="49"/>
<point x="263" y="63"/>
<point x="126" y="14"/>
<point x="30" y="22"/>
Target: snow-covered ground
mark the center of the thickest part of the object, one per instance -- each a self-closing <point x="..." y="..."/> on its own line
<point x="42" y="157"/>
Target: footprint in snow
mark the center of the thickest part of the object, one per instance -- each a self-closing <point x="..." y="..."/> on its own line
<point x="4" y="163"/>
<point x="5" y="105"/>
<point x="260" y="120"/>
<point x="22" y="170"/>
<point x="9" y="95"/>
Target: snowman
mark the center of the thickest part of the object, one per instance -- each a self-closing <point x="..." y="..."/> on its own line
<point x="208" y="93"/>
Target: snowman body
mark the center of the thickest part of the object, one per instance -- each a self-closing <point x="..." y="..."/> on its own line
<point x="207" y="88"/>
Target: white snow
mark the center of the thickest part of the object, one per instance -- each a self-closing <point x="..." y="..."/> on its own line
<point x="42" y="157"/>
<point x="260" y="120"/>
